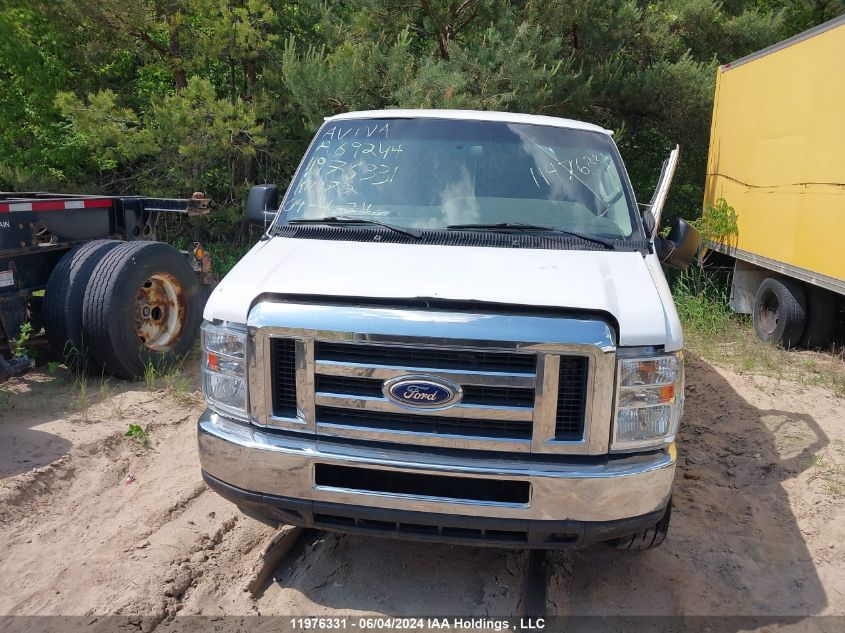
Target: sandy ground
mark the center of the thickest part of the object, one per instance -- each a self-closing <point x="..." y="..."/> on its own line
<point x="94" y="523"/>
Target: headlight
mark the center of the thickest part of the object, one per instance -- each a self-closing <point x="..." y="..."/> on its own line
<point x="224" y="370"/>
<point x="649" y="401"/>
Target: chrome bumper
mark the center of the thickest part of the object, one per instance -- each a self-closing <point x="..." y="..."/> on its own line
<point x="573" y="488"/>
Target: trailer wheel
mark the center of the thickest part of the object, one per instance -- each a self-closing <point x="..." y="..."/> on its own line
<point x="648" y="538"/>
<point x="780" y="311"/>
<point x="142" y="308"/>
<point x="821" y="315"/>
<point x="65" y="296"/>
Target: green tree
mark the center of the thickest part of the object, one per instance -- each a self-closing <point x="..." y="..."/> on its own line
<point x="37" y="149"/>
<point x="194" y="138"/>
<point x="168" y="96"/>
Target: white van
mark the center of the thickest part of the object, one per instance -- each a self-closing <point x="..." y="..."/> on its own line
<point x="455" y="328"/>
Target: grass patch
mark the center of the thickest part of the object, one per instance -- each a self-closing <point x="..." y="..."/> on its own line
<point x="88" y="391"/>
<point x="83" y="396"/>
<point x="717" y="334"/>
<point x="181" y="387"/>
<point x="176" y="382"/>
<point x="829" y="469"/>
<point x="150" y="376"/>
<point x="171" y="379"/>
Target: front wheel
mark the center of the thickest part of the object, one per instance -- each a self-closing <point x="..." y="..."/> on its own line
<point x="142" y="308"/>
<point x="648" y="538"/>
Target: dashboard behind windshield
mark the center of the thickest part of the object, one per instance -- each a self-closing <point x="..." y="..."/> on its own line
<point x="431" y="173"/>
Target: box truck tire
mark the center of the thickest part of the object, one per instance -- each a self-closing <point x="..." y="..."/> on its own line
<point x="780" y="311"/>
<point x="821" y="315"/>
<point x="142" y="308"/>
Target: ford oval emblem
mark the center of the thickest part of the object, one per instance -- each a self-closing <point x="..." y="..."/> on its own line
<point x="422" y="392"/>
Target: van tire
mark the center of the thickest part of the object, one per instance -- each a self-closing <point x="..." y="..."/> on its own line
<point x="65" y="296"/>
<point x="821" y="315"/>
<point x="780" y="311"/>
<point x="648" y="538"/>
<point x="142" y="308"/>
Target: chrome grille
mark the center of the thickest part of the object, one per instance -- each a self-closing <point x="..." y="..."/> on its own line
<point x="490" y="410"/>
<point x="549" y="396"/>
<point x="421" y="357"/>
<point x="284" y="377"/>
<point x="421" y="423"/>
<point x="473" y="394"/>
<point x="571" y="397"/>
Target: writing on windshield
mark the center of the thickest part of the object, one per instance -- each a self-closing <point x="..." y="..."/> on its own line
<point x="431" y="173"/>
<point x="345" y="161"/>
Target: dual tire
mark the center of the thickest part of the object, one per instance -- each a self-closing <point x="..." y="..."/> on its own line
<point x="120" y="307"/>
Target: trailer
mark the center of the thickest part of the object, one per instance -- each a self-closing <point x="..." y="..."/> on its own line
<point x="88" y="271"/>
<point x="777" y="156"/>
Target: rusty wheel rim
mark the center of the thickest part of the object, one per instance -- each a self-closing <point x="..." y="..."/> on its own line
<point x="159" y="312"/>
<point x="769" y="313"/>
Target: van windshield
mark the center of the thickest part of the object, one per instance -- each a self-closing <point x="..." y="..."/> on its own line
<point x="431" y="173"/>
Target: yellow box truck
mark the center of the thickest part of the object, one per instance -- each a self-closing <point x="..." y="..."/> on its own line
<point x="777" y="156"/>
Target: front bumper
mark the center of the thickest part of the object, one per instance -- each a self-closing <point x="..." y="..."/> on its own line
<point x="570" y="500"/>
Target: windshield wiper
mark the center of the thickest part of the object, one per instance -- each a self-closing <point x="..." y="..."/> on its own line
<point x="340" y="219"/>
<point x="520" y="226"/>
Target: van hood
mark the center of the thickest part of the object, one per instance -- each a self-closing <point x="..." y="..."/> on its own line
<point x="626" y="285"/>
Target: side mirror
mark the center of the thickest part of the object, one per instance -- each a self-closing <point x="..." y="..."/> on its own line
<point x="261" y="204"/>
<point x="679" y="248"/>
